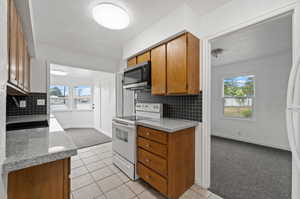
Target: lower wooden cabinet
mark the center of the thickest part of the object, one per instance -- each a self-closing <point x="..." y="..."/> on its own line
<point x="167" y="160"/>
<point x="46" y="181"/>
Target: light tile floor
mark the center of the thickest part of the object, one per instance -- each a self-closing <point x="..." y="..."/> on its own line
<point x="93" y="176"/>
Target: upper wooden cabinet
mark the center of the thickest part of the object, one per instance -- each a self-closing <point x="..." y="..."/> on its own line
<point x="175" y="66"/>
<point x="19" y="59"/>
<point x="20" y="56"/>
<point x="183" y="65"/>
<point x="131" y="62"/>
<point x="159" y="70"/>
<point x="26" y="69"/>
<point x="143" y="57"/>
<point x="13" y="38"/>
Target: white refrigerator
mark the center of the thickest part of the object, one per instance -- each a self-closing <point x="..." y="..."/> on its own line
<point x="293" y="125"/>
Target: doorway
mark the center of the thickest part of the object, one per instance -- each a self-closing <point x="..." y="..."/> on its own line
<point x="250" y="68"/>
<point x="82" y="102"/>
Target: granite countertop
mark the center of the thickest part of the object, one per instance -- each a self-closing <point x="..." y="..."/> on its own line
<point x="25" y="118"/>
<point x="167" y="124"/>
<point x="30" y="147"/>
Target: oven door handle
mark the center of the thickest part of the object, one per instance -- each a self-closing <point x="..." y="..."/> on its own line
<point x="122" y="125"/>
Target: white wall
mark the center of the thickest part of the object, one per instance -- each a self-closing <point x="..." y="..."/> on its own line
<point x="76" y="59"/>
<point x="268" y="125"/>
<point x="229" y="15"/>
<point x="163" y="29"/>
<point x="108" y="104"/>
<point x="38" y="76"/>
<point x="3" y="80"/>
<point x="74" y="118"/>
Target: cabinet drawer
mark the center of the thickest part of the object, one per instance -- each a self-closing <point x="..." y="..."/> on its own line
<point x="152" y="161"/>
<point x="153" y="147"/>
<point x="152" y="178"/>
<point x="152" y="134"/>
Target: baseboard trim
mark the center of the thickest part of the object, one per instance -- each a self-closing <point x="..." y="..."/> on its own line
<point x="105" y="132"/>
<point x="252" y="142"/>
<point x="78" y="127"/>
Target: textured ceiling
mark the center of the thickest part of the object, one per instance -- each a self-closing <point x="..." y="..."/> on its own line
<point x="68" y="24"/>
<point x="267" y="38"/>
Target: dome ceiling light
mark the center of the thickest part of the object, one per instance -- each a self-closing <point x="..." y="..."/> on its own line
<point x="111" y="16"/>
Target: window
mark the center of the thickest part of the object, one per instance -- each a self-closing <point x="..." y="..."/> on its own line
<point x="238" y="96"/>
<point x="82" y="98"/>
<point x="59" y="97"/>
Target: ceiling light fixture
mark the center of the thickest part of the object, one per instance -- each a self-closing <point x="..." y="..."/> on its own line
<point x="58" y="72"/>
<point x="111" y="16"/>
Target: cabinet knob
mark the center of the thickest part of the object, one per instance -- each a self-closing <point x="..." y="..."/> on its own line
<point x="148" y="133"/>
<point x="148" y="145"/>
<point x="147" y="160"/>
<point x="148" y="177"/>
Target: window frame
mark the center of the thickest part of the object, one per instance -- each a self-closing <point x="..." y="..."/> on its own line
<point x="68" y="108"/>
<point x="72" y="96"/>
<point x="253" y="116"/>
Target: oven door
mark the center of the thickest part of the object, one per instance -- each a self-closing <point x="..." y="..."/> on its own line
<point x="124" y="141"/>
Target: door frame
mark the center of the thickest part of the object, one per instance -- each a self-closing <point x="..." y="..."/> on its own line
<point x="293" y="7"/>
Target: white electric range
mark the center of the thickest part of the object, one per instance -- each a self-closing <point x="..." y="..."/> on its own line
<point x="125" y="135"/>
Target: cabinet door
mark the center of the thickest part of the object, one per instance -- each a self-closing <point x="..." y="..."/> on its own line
<point x="13" y="38"/>
<point x="46" y="181"/>
<point x="143" y="57"/>
<point x="158" y="70"/>
<point x="26" y="68"/>
<point x="177" y="66"/>
<point x="131" y="62"/>
<point x="20" y="55"/>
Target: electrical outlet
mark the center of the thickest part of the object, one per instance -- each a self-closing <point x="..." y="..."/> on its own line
<point x="40" y="102"/>
<point x="22" y="104"/>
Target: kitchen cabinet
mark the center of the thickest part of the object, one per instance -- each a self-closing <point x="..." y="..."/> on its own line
<point x="175" y="66"/>
<point x="26" y="69"/>
<point x="167" y="160"/>
<point x="20" y="56"/>
<point x="46" y="181"/>
<point x="183" y="65"/>
<point x="159" y="70"/>
<point x="19" y="59"/>
<point x="143" y="57"/>
<point x="131" y="62"/>
<point x="13" y="38"/>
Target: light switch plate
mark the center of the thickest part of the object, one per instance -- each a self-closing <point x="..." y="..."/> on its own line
<point x="23" y="104"/>
<point x="41" y="102"/>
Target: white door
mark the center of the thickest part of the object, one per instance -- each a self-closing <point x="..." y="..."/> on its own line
<point x="293" y="107"/>
<point x="97" y="107"/>
<point x="293" y="123"/>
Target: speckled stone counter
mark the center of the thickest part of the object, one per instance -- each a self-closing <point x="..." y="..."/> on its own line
<point x="167" y="124"/>
<point x="25" y="118"/>
<point x="30" y="147"/>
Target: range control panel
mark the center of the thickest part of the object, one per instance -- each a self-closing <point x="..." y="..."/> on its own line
<point x="149" y="107"/>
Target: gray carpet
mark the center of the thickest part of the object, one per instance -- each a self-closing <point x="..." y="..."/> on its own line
<point x="246" y="171"/>
<point x="87" y="137"/>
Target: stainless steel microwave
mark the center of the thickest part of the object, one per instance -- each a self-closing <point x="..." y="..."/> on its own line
<point x="138" y="77"/>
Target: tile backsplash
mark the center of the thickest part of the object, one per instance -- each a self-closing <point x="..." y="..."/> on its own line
<point x="31" y="104"/>
<point x="181" y="107"/>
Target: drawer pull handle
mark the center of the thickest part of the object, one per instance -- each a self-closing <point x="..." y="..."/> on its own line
<point x="148" y="145"/>
<point x="147" y="160"/>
